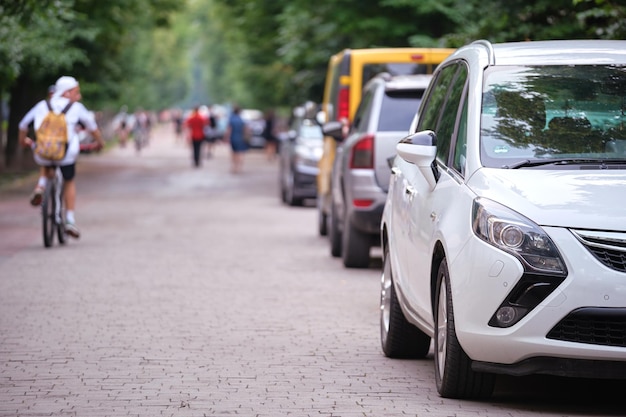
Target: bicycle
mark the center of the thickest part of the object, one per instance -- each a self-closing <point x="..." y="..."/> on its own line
<point x="53" y="210"/>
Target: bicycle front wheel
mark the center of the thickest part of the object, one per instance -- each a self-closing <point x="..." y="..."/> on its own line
<point x="48" y="212"/>
<point x="60" y="212"/>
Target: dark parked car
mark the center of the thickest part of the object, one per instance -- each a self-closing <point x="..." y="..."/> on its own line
<point x="299" y="157"/>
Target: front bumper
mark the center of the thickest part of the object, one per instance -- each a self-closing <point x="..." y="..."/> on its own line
<point x="304" y="184"/>
<point x="482" y="276"/>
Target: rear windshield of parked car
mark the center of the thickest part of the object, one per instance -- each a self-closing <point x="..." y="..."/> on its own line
<point x="399" y="68"/>
<point x="398" y="109"/>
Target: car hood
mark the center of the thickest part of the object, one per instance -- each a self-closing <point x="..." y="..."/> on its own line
<point x="563" y="198"/>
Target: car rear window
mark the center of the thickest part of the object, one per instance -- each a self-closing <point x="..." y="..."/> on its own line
<point x="395" y="68"/>
<point x="398" y="110"/>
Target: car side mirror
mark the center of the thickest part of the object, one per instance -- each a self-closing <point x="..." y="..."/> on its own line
<point x="420" y="149"/>
<point x="333" y="129"/>
<point x="320" y="117"/>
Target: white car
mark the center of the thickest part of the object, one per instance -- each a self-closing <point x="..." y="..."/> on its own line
<point x="504" y="229"/>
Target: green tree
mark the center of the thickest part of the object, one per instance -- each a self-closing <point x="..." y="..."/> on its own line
<point x="89" y="39"/>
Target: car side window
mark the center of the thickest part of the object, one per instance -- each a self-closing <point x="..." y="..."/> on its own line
<point x="361" y="117"/>
<point x="460" y="147"/>
<point x="449" y="115"/>
<point x="429" y="118"/>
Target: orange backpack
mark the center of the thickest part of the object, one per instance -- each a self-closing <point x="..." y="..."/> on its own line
<point x="52" y="135"/>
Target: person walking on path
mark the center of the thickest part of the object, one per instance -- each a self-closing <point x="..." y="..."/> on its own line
<point x="269" y="135"/>
<point x="66" y="98"/>
<point x="195" y="124"/>
<point x="235" y="134"/>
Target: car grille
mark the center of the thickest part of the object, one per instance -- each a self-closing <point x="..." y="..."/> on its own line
<point x="607" y="247"/>
<point x="597" y="326"/>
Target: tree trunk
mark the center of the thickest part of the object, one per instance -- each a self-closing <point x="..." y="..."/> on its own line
<point x="2" y="146"/>
<point x="25" y="93"/>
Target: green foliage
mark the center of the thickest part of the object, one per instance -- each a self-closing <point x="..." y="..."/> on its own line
<point x="34" y="37"/>
<point x="258" y="53"/>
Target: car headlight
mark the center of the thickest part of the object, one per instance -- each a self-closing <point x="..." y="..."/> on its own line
<point x="515" y="234"/>
<point x="544" y="269"/>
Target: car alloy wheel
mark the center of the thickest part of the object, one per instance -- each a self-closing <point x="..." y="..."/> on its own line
<point x="454" y="375"/>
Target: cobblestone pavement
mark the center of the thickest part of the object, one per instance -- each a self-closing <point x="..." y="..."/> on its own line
<point x="195" y="292"/>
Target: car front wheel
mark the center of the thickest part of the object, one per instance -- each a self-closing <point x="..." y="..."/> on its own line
<point x="290" y="198"/>
<point x="334" y="233"/>
<point x="399" y="338"/>
<point x="322" y="219"/>
<point x="453" y="368"/>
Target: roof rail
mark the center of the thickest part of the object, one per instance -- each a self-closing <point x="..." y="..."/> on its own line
<point x="490" y="54"/>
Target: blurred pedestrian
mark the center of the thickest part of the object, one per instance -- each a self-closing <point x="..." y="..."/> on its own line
<point x="210" y="132"/>
<point x="236" y="135"/>
<point x="178" y="123"/>
<point x="141" y="129"/>
<point x="123" y="129"/>
<point x="269" y="135"/>
<point x="195" y="125"/>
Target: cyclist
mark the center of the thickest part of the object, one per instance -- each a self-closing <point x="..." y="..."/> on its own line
<point x="67" y="90"/>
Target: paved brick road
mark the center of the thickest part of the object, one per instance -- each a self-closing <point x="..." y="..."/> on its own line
<point x="194" y="292"/>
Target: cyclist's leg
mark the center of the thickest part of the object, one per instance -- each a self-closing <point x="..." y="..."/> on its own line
<point x="45" y="173"/>
<point x="69" y="197"/>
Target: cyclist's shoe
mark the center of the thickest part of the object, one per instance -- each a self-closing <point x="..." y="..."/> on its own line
<point x="72" y="230"/>
<point x="36" y="197"/>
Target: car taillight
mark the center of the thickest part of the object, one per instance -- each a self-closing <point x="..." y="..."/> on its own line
<point x="362" y="203"/>
<point x="343" y="104"/>
<point x="363" y="153"/>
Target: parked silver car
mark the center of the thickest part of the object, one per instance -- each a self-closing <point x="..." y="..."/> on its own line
<point x="361" y="171"/>
<point x="299" y="157"/>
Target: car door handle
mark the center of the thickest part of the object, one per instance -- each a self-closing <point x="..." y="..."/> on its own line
<point x="409" y="190"/>
<point x="395" y="170"/>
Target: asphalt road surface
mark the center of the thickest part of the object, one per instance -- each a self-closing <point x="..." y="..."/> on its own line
<point x="195" y="292"/>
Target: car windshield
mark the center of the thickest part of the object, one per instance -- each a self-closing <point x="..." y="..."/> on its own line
<point x="535" y="115"/>
<point x="311" y="134"/>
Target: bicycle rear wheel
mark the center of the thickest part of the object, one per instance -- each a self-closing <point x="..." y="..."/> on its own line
<point x="48" y="209"/>
<point x="60" y="210"/>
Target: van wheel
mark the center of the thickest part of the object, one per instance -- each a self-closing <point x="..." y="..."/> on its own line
<point x="398" y="337"/>
<point x="453" y="368"/>
<point x="334" y="233"/>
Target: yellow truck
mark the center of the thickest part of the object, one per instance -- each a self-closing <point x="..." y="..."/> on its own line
<point x="348" y="71"/>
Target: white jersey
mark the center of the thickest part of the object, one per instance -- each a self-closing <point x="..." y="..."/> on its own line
<point x="76" y="113"/>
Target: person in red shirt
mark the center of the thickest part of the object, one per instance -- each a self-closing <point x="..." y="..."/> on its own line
<point x="195" y="124"/>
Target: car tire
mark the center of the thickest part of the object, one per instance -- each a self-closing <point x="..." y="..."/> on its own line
<point x="399" y="338"/>
<point x="322" y="219"/>
<point x="281" y="185"/>
<point x="334" y="233"/>
<point x="453" y="368"/>
<point x="289" y="192"/>
<point x="355" y="250"/>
